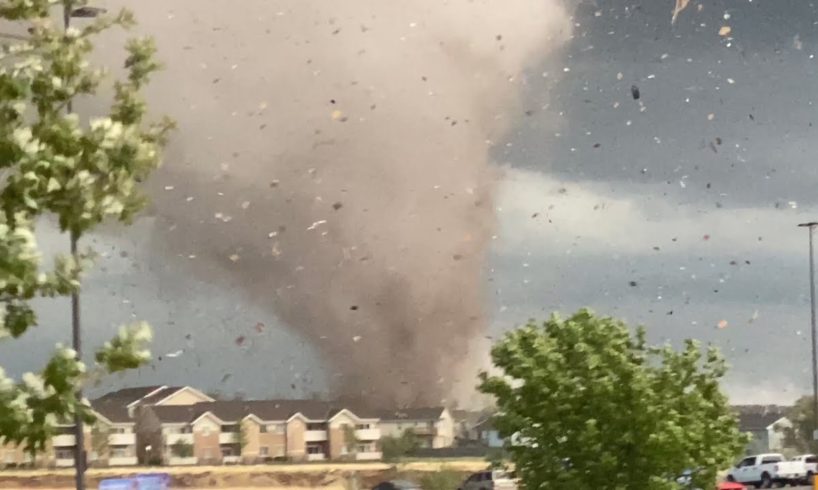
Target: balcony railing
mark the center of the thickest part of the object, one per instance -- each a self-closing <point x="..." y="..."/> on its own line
<point x="316" y="457"/>
<point x="424" y="431"/>
<point x="368" y="434"/>
<point x="64" y="462"/>
<point x="122" y="461"/>
<point x="369" y="456"/>
<point x="176" y="461"/>
<point x="171" y="439"/>
<point x="228" y="437"/>
<point x="64" y="440"/>
<point x="127" y="439"/>
<point x="315" y="436"/>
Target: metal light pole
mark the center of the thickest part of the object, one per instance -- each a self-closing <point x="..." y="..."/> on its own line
<point x="76" y="337"/>
<point x="80" y="459"/>
<point x="811" y="226"/>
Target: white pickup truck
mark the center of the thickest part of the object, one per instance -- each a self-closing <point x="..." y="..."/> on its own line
<point x="762" y="470"/>
<point x="811" y="463"/>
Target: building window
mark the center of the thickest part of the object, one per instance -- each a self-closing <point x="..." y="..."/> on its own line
<point x="120" y="430"/>
<point x="364" y="448"/>
<point x="315" y="449"/>
<point x="119" y="451"/>
<point x="316" y="426"/>
<point x="263" y="451"/>
<point x="230" y="428"/>
<point x="262" y="429"/>
<point x="362" y="426"/>
<point x="64" y="453"/>
<point x="227" y="451"/>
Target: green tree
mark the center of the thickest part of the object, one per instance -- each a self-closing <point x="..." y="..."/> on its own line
<point x="350" y="439"/>
<point x="181" y="449"/>
<point x="799" y="436"/>
<point x="394" y="448"/>
<point x="242" y="436"/>
<point x="76" y="171"/>
<point x="591" y="405"/>
<point x="99" y="440"/>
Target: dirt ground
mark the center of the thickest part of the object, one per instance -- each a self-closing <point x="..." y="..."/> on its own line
<point x="345" y="476"/>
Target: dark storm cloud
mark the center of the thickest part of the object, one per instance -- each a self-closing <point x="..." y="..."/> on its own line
<point x="757" y="149"/>
<point x="579" y="215"/>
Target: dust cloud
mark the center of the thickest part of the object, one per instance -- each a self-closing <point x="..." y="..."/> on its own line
<point x="332" y="164"/>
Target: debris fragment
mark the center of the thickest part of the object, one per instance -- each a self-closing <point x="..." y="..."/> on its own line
<point x="680" y="5"/>
<point x="635" y="92"/>
<point x="725" y="31"/>
<point x="722" y="324"/>
<point x="316" y="224"/>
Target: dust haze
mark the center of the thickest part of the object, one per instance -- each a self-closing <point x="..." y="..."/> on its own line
<point x="332" y="164"/>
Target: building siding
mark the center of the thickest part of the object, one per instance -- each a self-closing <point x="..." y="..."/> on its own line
<point x="206" y="441"/>
<point x="296" y="446"/>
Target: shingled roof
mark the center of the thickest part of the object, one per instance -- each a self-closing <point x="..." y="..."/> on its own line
<point x="422" y="413"/>
<point x="235" y="410"/>
<point x="112" y="410"/>
<point x="159" y="395"/>
<point x="176" y="414"/>
<point x="753" y="418"/>
<point x="127" y="396"/>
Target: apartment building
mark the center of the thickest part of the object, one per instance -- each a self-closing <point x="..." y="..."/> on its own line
<point x="256" y="431"/>
<point x="179" y="425"/>
<point x="434" y="427"/>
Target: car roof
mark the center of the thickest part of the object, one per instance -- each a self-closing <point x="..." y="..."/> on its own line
<point x="404" y="484"/>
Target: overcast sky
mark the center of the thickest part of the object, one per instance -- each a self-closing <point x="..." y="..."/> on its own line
<point x="677" y="211"/>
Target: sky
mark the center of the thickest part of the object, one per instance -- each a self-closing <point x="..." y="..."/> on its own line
<point x="676" y="211"/>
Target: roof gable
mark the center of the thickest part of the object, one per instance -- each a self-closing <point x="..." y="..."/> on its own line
<point x="128" y="396"/>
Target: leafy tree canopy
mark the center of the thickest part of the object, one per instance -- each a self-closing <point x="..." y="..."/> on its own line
<point x="77" y="171"/>
<point x="591" y="405"/>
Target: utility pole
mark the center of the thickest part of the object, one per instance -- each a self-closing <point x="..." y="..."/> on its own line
<point x="76" y="337"/>
<point x="80" y="458"/>
<point x="811" y="226"/>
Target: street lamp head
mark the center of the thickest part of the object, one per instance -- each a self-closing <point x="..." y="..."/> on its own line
<point x="87" y="12"/>
<point x="809" y="225"/>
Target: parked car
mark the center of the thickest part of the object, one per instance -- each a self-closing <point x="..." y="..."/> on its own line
<point x="811" y="463"/>
<point x="490" y="480"/>
<point x="730" y="485"/>
<point x="763" y="470"/>
<point x="397" y="485"/>
<point x="686" y="482"/>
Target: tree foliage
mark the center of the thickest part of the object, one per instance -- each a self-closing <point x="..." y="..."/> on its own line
<point x="75" y="170"/>
<point x="591" y="405"/>
<point x="243" y="435"/>
<point x="99" y="439"/>
<point x="181" y="449"/>
<point x="394" y="448"/>
<point x="799" y="436"/>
